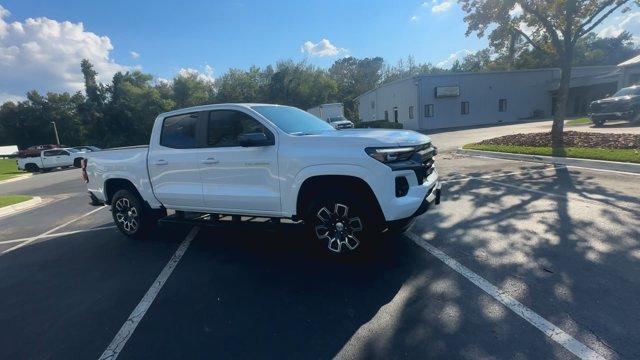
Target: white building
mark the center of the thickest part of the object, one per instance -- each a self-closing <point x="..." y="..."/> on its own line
<point x="466" y="99"/>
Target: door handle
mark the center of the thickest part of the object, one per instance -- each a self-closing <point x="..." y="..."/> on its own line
<point x="161" y="162"/>
<point x="210" y="161"/>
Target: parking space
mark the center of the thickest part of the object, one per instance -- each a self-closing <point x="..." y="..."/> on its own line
<point x="563" y="242"/>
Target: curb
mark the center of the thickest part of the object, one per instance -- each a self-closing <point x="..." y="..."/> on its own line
<point x="17" y="178"/>
<point x="585" y="163"/>
<point x="20" y="207"/>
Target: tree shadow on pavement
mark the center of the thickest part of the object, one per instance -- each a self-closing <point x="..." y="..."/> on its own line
<point x="558" y="241"/>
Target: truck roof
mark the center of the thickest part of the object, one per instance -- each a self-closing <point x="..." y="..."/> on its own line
<point x="213" y="107"/>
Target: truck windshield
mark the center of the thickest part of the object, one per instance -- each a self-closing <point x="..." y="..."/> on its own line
<point x="292" y="120"/>
<point x="628" y="91"/>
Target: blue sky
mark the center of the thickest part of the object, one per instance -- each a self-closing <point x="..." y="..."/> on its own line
<point x="169" y="36"/>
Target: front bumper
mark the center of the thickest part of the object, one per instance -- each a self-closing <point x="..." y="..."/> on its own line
<point x="432" y="198"/>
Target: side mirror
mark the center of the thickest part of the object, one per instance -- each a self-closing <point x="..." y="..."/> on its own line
<point x="254" y="139"/>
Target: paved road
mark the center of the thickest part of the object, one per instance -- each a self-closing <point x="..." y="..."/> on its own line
<point x="564" y="242"/>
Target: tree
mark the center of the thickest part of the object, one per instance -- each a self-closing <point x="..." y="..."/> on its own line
<point x="189" y="89"/>
<point x="550" y="26"/>
<point x="353" y="78"/>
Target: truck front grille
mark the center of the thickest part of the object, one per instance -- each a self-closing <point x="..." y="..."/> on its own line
<point x="427" y="152"/>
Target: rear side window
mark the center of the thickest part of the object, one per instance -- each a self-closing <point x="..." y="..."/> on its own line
<point x="179" y="132"/>
<point x="50" y="153"/>
<point x="224" y="127"/>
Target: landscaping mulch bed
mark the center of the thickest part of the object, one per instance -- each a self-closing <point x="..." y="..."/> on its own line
<point x="571" y="139"/>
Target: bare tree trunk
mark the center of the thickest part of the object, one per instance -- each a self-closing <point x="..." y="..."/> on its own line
<point x="557" y="139"/>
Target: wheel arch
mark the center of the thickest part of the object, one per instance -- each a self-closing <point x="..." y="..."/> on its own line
<point x="113" y="185"/>
<point x="316" y="183"/>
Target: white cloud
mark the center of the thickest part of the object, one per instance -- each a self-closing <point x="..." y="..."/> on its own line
<point x="442" y="7"/>
<point x="516" y="11"/>
<point x="321" y="49"/>
<point x="135" y="55"/>
<point x="205" y="75"/>
<point x="414" y="18"/>
<point x="614" y="26"/>
<point x="458" y="55"/>
<point x="4" y="97"/>
<point x="45" y="55"/>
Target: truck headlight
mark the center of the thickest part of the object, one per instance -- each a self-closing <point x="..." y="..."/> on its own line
<point x="387" y="155"/>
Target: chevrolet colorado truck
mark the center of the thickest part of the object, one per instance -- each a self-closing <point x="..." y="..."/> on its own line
<point x="51" y="159"/>
<point x="623" y="105"/>
<point x="271" y="161"/>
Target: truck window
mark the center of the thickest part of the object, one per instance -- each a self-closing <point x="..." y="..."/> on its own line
<point x="49" y="153"/>
<point x="179" y="132"/>
<point x="224" y="127"/>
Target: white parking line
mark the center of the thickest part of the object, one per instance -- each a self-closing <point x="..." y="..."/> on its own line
<point x="129" y="326"/>
<point x="603" y="170"/>
<point x="44" y="234"/>
<point x="555" y="333"/>
<point x="56" y="234"/>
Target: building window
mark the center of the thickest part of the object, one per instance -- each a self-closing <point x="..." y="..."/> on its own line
<point x="373" y="104"/>
<point x="395" y="113"/>
<point x="464" y="108"/>
<point x="386" y="115"/>
<point x="428" y="110"/>
<point x="502" y="105"/>
<point x="410" y="112"/>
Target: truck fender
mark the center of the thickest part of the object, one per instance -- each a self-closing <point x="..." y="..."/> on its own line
<point x="290" y="197"/>
<point x="142" y="186"/>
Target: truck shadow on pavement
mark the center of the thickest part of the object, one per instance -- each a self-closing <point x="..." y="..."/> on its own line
<point x="257" y="292"/>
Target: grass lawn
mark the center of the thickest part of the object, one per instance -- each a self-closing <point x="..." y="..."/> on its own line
<point x="624" y="155"/>
<point x="6" y="200"/>
<point x="579" y="121"/>
<point x="8" y="169"/>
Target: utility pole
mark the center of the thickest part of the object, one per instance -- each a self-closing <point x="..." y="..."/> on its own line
<point x="55" y="130"/>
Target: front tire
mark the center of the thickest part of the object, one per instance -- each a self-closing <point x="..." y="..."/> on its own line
<point x="342" y="223"/>
<point x="597" y="122"/>
<point x="131" y="216"/>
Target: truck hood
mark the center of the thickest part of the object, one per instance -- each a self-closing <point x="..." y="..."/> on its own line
<point x="616" y="99"/>
<point x="375" y="137"/>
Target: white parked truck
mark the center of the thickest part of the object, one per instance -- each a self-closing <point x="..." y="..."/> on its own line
<point x="51" y="159"/>
<point x="333" y="114"/>
<point x="269" y="161"/>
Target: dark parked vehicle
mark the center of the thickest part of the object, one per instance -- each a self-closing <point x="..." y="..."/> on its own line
<point x="623" y="105"/>
<point x="34" y="151"/>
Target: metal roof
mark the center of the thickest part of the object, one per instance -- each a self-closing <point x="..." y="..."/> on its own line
<point x="633" y="61"/>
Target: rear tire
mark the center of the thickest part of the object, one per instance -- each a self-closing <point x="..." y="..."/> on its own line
<point x="343" y="223"/>
<point x="132" y="217"/>
<point x="32" y="168"/>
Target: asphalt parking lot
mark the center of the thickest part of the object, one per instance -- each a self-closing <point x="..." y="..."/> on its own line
<point x="520" y="261"/>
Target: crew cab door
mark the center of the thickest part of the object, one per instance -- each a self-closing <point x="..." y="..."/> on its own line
<point x="64" y="159"/>
<point x="174" y="162"/>
<point x="238" y="178"/>
<point x="51" y="158"/>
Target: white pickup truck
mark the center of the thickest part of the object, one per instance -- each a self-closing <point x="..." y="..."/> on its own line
<point x="51" y="159"/>
<point x="269" y="161"/>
